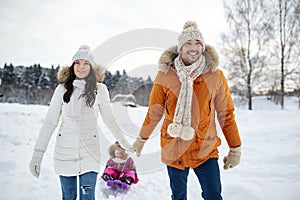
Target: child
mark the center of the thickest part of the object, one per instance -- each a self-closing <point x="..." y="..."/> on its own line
<point x="120" y="166"/>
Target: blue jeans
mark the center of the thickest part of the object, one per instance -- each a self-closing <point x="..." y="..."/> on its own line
<point x="87" y="184"/>
<point x="208" y="175"/>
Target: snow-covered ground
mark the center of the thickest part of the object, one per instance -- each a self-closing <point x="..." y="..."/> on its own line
<point x="269" y="169"/>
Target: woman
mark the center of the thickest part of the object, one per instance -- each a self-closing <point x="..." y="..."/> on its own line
<point x="77" y="100"/>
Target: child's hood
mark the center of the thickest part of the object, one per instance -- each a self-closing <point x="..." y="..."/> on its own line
<point x="117" y="147"/>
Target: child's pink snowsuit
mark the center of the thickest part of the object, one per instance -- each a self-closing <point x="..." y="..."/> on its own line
<point x="121" y="170"/>
<point x="121" y="167"/>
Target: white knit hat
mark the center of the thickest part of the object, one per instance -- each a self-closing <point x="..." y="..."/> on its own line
<point x="84" y="52"/>
<point x="190" y="32"/>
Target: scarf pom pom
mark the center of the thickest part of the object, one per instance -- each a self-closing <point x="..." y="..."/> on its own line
<point x="187" y="133"/>
<point x="174" y="130"/>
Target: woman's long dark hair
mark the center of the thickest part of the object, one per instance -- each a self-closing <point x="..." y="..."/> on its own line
<point x="90" y="89"/>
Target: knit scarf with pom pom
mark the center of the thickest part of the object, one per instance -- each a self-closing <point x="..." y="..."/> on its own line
<point x="181" y="126"/>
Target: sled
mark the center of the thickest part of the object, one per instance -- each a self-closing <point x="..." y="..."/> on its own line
<point x="112" y="188"/>
<point x="117" y="184"/>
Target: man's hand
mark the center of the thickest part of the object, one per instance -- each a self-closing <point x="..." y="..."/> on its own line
<point x="233" y="158"/>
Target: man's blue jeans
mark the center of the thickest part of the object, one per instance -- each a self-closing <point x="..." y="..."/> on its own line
<point x="208" y="175"/>
<point x="87" y="184"/>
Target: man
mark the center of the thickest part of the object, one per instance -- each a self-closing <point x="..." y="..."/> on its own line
<point x="189" y="90"/>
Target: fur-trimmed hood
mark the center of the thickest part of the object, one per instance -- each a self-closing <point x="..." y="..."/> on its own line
<point x="166" y="60"/>
<point x="63" y="73"/>
<point x="117" y="147"/>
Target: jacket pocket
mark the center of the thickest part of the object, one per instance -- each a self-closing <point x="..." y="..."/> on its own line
<point x="173" y="148"/>
<point x="206" y="146"/>
<point x="210" y="102"/>
<point x="167" y="110"/>
<point x="168" y="152"/>
<point x="66" y="148"/>
<point x="166" y="104"/>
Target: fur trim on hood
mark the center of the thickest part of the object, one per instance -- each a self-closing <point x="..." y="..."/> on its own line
<point x="167" y="58"/>
<point x="63" y="73"/>
<point x="118" y="147"/>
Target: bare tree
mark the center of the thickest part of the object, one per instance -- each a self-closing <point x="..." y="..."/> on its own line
<point x="244" y="44"/>
<point x="286" y="39"/>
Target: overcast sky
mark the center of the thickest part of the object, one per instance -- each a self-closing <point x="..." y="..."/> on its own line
<point x="50" y="32"/>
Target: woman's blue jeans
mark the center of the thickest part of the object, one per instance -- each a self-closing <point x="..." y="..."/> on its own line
<point x="208" y="175"/>
<point x="87" y="184"/>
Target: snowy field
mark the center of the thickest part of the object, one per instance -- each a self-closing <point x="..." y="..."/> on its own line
<point x="269" y="169"/>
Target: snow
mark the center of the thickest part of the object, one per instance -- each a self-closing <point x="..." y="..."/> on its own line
<point x="269" y="168"/>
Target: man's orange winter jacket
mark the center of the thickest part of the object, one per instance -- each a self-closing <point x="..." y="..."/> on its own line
<point x="211" y="98"/>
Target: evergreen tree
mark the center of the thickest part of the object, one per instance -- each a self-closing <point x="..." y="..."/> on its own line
<point x="37" y="72"/>
<point x="8" y="75"/>
<point x="28" y="76"/>
<point x="52" y="76"/>
<point x="108" y="80"/>
<point x="19" y="72"/>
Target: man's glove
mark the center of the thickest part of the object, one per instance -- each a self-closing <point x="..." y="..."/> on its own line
<point x="233" y="158"/>
<point x="35" y="163"/>
<point x="138" y="145"/>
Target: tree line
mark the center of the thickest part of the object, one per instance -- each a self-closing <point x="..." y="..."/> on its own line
<point x="35" y="84"/>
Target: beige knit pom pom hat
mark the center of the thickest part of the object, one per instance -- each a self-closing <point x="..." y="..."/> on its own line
<point x="190" y="32"/>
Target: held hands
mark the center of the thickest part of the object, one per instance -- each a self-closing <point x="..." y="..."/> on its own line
<point x="35" y="163"/>
<point x="138" y="145"/>
<point x="233" y="158"/>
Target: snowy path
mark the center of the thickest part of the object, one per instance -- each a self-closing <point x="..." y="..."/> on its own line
<point x="269" y="169"/>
